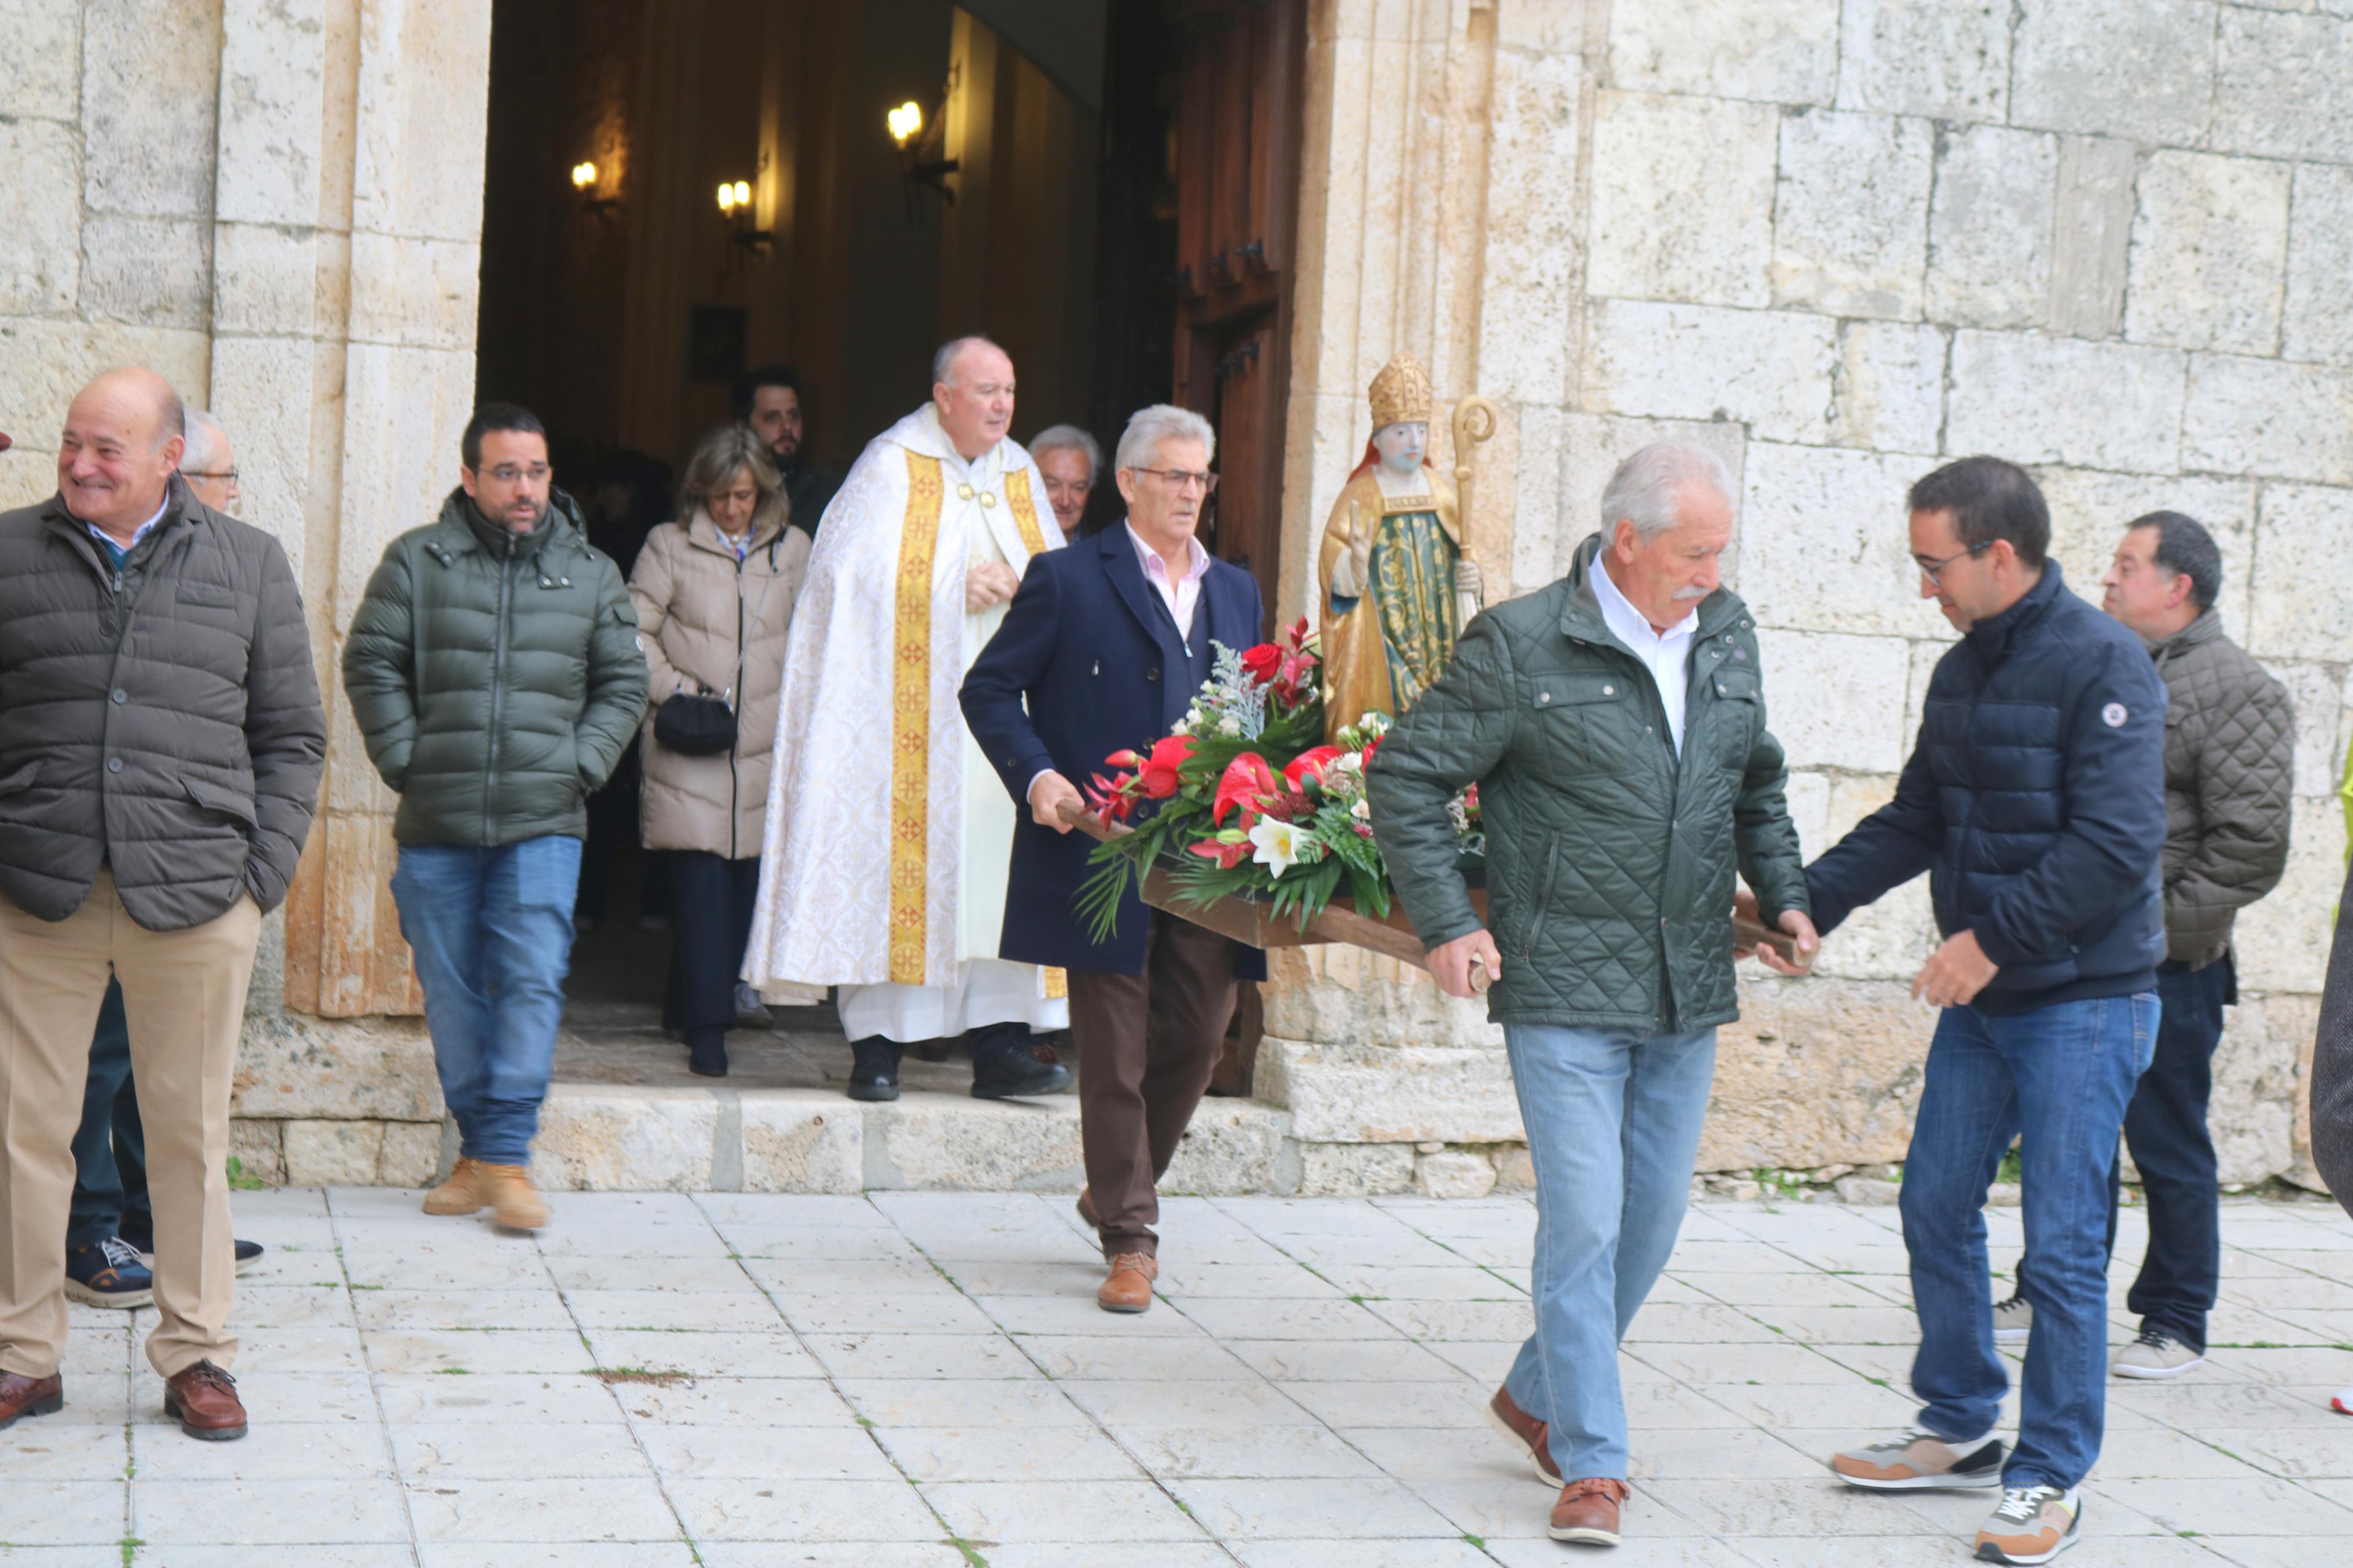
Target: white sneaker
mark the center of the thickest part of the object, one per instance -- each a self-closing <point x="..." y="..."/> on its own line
<point x="2155" y="1355"/>
<point x="2013" y="1319"/>
<point x="2342" y="1402"/>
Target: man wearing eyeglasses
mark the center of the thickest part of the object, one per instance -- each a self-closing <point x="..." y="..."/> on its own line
<point x="2035" y="800"/>
<point x="1103" y="650"/>
<point x="209" y="468"/>
<point x="493" y="670"/>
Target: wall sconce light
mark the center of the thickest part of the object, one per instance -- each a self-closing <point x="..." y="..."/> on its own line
<point x="918" y="138"/>
<point x="735" y="205"/>
<point x="584" y="180"/>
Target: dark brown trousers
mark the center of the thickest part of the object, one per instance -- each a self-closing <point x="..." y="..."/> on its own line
<point x="1147" y="1044"/>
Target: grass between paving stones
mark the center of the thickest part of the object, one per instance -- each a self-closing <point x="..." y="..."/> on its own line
<point x="613" y="1375"/>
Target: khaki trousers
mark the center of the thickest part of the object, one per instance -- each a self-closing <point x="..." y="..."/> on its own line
<point x="1147" y="1045"/>
<point x="183" y="994"/>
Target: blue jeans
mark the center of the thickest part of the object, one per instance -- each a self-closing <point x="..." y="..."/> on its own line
<point x="491" y="930"/>
<point x="2061" y="1076"/>
<point x="1613" y="1121"/>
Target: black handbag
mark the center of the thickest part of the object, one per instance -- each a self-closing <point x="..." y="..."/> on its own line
<point x="695" y="726"/>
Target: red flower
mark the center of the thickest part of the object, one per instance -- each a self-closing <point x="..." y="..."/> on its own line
<point x="1248" y="782"/>
<point x="1371" y="746"/>
<point x="1227" y="856"/>
<point x="1309" y="764"/>
<point x="1262" y="662"/>
<point x="1159" y="774"/>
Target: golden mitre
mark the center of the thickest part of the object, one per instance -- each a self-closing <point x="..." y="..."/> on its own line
<point x="1401" y="394"/>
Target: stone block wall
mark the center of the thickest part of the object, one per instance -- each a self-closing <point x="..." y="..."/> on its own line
<point x="1838" y="244"/>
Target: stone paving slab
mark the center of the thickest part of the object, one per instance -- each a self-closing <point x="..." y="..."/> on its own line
<point x="920" y="1380"/>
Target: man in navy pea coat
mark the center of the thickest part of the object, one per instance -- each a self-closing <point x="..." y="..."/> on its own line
<point x="1102" y="651"/>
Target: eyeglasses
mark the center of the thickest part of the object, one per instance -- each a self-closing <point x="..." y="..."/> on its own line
<point x="507" y="473"/>
<point x="1181" y="478"/>
<point x="228" y="474"/>
<point x="1929" y="568"/>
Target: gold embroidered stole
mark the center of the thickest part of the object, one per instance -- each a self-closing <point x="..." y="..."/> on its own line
<point x="1024" y="512"/>
<point x="911" y="721"/>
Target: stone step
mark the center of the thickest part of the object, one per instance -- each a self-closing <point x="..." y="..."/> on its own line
<point x="655" y="1137"/>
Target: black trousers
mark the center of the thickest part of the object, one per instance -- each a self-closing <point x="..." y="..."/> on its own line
<point x="710" y="920"/>
<point x="109" y="1149"/>
<point x="2165" y="1128"/>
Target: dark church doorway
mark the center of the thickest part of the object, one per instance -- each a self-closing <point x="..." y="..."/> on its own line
<point x="1103" y="186"/>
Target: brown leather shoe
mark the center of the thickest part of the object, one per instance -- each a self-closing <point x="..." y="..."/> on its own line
<point x="461" y="1194"/>
<point x="514" y="1202"/>
<point x="1526" y="1433"/>
<point x="203" y="1399"/>
<point x="1129" y="1287"/>
<point x="1087" y="1210"/>
<point x="21" y="1396"/>
<point x="1587" y="1512"/>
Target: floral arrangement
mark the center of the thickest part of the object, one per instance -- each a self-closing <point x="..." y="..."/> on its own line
<point x="1244" y="799"/>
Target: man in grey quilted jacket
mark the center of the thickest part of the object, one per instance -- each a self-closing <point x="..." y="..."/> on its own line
<point x="2230" y="738"/>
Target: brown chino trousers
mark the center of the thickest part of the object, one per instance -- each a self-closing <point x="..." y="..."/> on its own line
<point x="184" y="996"/>
<point x="1147" y="1044"/>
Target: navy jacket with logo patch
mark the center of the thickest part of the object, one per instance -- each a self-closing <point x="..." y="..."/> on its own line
<point x="2035" y="800"/>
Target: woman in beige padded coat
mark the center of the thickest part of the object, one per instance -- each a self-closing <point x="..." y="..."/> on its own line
<point x="714" y="596"/>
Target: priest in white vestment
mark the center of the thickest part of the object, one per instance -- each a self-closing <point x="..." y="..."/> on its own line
<point x="882" y="869"/>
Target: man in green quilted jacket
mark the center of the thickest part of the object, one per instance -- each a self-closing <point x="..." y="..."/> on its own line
<point x="1614" y="723"/>
<point x="493" y="669"/>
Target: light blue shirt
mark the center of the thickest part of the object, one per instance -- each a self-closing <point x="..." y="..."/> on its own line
<point x="115" y="552"/>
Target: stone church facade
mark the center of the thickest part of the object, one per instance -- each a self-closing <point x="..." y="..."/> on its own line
<point x="1837" y="243"/>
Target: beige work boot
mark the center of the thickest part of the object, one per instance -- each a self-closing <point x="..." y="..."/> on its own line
<point x="514" y="1202"/>
<point x="461" y="1194"/>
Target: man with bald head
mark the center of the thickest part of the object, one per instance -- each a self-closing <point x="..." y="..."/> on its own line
<point x="883" y="869"/>
<point x="161" y="745"/>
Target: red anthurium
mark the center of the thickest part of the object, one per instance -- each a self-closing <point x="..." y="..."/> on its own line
<point x="1262" y="661"/>
<point x="1227" y="856"/>
<point x="1159" y="773"/>
<point x="1370" y="747"/>
<point x="1247" y="782"/>
<point x="1308" y="765"/>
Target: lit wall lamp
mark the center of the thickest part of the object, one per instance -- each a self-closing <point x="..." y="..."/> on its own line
<point x="735" y="205"/>
<point x="584" y="180"/>
<point x="919" y="145"/>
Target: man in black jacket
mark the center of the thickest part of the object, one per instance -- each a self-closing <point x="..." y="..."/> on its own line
<point x="161" y="745"/>
<point x="2035" y="800"/>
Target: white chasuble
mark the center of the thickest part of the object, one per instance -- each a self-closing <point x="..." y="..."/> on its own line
<point x="884" y="859"/>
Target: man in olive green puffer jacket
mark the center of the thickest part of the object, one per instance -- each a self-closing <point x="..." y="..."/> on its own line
<point x="493" y="668"/>
<point x="1614" y="723"/>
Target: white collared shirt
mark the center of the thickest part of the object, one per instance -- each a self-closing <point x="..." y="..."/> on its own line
<point x="1183" y="595"/>
<point x="1666" y="654"/>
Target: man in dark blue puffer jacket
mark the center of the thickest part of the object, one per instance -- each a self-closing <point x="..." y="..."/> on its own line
<point x="2035" y="800"/>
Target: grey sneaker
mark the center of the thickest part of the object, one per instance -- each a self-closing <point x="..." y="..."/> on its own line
<point x="2033" y="1525"/>
<point x="1921" y="1461"/>
<point x="2013" y="1319"/>
<point x="2155" y="1355"/>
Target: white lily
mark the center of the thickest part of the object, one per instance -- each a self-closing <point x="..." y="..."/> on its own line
<point x="1277" y="846"/>
<point x="1230" y="726"/>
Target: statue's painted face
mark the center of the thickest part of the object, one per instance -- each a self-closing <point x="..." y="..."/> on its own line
<point x="1401" y="445"/>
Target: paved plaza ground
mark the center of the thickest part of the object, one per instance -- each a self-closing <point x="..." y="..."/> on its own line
<point x="923" y="1381"/>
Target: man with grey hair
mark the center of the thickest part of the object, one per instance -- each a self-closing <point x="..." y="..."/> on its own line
<point x="1069" y="458"/>
<point x="882" y="863"/>
<point x="208" y="464"/>
<point x="1103" y="650"/>
<point x="1614" y="723"/>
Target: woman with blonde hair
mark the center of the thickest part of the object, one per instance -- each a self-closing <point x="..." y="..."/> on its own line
<point x="714" y="595"/>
